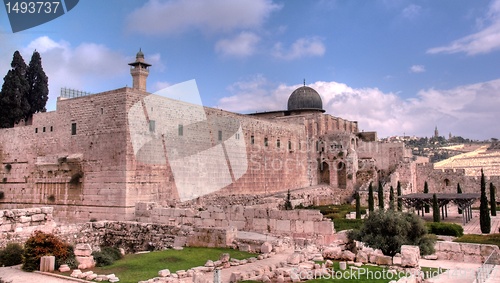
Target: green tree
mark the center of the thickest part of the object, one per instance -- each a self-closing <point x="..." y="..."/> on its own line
<point x="371" y="202"/>
<point x="380" y="192"/>
<point x="389" y="230"/>
<point x="435" y="209"/>
<point x="493" y="201"/>
<point x="459" y="191"/>
<point x="391" y="198"/>
<point x="288" y="201"/>
<point x="484" y="214"/>
<point x="38" y="91"/>
<point x="13" y="102"/>
<point x="358" y="206"/>
<point x="426" y="191"/>
<point x="400" y="201"/>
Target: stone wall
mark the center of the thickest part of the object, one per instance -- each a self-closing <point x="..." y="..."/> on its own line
<point x="296" y="223"/>
<point x="18" y="224"/>
<point x="463" y="252"/>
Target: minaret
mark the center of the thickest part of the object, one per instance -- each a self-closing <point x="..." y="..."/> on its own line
<point x="436" y="133"/>
<point x="139" y="71"/>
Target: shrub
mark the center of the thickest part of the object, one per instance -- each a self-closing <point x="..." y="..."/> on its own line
<point x="388" y="231"/>
<point x="42" y="244"/>
<point x="445" y="229"/>
<point x="11" y="255"/>
<point x="107" y="256"/>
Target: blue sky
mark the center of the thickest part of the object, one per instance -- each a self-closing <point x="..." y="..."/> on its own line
<point x="394" y="66"/>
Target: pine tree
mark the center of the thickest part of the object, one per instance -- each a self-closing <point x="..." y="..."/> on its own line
<point x="358" y="206"/>
<point x="400" y="201"/>
<point x="371" y="202"/>
<point x="380" y="196"/>
<point x="391" y="198"/>
<point x="493" y="201"/>
<point x="38" y="92"/>
<point x="484" y="214"/>
<point x="435" y="209"/>
<point x="13" y="102"/>
<point x="426" y="191"/>
<point x="459" y="191"/>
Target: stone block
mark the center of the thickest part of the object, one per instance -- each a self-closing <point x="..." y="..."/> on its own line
<point x="362" y="256"/>
<point x="180" y="241"/>
<point x="24" y="219"/>
<point x="260" y="224"/>
<point x="486" y="250"/>
<point x="240" y="225"/>
<point x="38" y="217"/>
<point x="348" y="255"/>
<point x="235" y="277"/>
<point x="244" y="247"/>
<point x="266" y="247"/>
<point x="164" y="273"/>
<point x="249" y="212"/>
<point x="87" y="261"/>
<point x="472" y="249"/>
<point x="332" y="252"/>
<point x="308" y="226"/>
<point x="207" y="222"/>
<point x="384" y="260"/>
<point x="342" y="265"/>
<point x="299" y="226"/>
<point x="260" y="213"/>
<point x="283" y="225"/>
<point x="205" y="214"/>
<point x="47" y="263"/>
<point x="410" y="255"/>
<point x="324" y="227"/>
<point x="64" y="268"/>
<point x="294" y="259"/>
<point x="448" y="247"/>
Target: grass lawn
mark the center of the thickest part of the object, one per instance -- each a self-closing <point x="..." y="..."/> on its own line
<point x="491" y="239"/>
<point x="136" y="267"/>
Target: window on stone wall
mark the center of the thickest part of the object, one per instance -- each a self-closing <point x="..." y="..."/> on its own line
<point x="181" y="130"/>
<point x="252" y="139"/>
<point x="278" y="143"/>
<point x="73" y="129"/>
<point x="36" y="130"/>
<point x="266" y="142"/>
<point x="446" y="182"/>
<point x="152" y="126"/>
<point x="220" y="135"/>
<point x="102" y="110"/>
<point x="237" y="136"/>
<point x="51" y="128"/>
<point x="43" y="129"/>
<point x="300" y="145"/>
<point x="289" y="145"/>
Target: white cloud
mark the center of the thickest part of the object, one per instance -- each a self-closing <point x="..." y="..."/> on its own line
<point x="159" y="86"/>
<point x="417" y="69"/>
<point x="242" y="45"/>
<point x="411" y="12"/>
<point x="470" y="111"/>
<point x="484" y="41"/>
<point x="174" y="16"/>
<point x="302" y="47"/>
<point x="77" y="67"/>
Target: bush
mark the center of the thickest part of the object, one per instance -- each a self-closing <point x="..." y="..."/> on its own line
<point x="11" y="255"/>
<point x="445" y="229"/>
<point x="388" y="231"/>
<point x="107" y="256"/>
<point x="42" y="244"/>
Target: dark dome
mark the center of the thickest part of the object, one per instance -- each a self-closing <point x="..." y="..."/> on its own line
<point x="305" y="98"/>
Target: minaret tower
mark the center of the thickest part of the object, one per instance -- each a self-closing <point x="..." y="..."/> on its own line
<point x="139" y="71"/>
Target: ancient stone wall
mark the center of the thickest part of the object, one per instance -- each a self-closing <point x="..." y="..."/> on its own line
<point x="17" y="224"/>
<point x="445" y="181"/>
<point x="296" y="223"/>
<point x="463" y="252"/>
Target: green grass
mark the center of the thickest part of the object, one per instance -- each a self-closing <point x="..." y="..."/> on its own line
<point x="346" y="224"/>
<point x="491" y="239"/>
<point x="136" y="267"/>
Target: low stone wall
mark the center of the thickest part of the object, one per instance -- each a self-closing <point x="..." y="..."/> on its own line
<point x="297" y="223"/>
<point x="17" y="224"/>
<point x="463" y="252"/>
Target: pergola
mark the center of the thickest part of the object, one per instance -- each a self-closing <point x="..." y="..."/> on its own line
<point x="463" y="201"/>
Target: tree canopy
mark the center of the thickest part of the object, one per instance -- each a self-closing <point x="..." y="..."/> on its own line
<point x="24" y="91"/>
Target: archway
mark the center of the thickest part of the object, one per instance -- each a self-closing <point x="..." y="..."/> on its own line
<point x="342" y="175"/>
<point x="324" y="174"/>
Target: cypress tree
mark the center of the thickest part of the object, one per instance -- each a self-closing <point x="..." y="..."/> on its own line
<point x="484" y="214"/>
<point x="371" y="202"/>
<point x="400" y="201"/>
<point x="435" y="209"/>
<point x="426" y="191"/>
<point x="459" y="191"/>
<point x="38" y="91"/>
<point x="493" y="201"/>
<point x="358" y="206"/>
<point x="391" y="198"/>
<point x="380" y="196"/>
<point x="288" y="201"/>
<point x="13" y="102"/>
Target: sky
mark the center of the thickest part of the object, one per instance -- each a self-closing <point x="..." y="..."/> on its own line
<point x="397" y="67"/>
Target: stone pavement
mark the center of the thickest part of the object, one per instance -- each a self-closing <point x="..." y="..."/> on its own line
<point x="14" y="274"/>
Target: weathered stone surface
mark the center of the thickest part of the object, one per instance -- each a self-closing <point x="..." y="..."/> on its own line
<point x="347" y="255"/>
<point x="384" y="260"/>
<point x="266" y="247"/>
<point x="332" y="252"/>
<point x="410" y="255"/>
<point x="164" y="273"/>
<point x="294" y="259"/>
